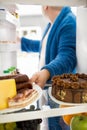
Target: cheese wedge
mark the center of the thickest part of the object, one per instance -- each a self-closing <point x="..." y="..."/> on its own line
<point x="7" y="89"/>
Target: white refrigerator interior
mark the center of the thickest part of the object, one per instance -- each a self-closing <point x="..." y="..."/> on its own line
<point x="81" y="46"/>
<point x="8" y="48"/>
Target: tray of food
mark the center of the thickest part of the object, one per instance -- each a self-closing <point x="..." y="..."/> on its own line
<point x="69" y="89"/>
<point x="17" y="93"/>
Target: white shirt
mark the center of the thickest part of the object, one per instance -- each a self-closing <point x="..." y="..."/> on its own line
<point x="43" y="50"/>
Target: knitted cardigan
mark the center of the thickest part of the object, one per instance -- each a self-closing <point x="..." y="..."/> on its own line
<point x="61" y="44"/>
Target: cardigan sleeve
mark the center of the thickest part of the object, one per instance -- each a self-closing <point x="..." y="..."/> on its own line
<point x="29" y="45"/>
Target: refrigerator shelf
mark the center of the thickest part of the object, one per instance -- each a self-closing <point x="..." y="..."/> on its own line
<point x="17" y="116"/>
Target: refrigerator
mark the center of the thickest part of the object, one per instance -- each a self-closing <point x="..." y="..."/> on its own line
<point x="8" y="52"/>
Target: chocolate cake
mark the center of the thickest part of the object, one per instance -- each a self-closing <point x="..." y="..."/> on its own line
<point x="70" y="88"/>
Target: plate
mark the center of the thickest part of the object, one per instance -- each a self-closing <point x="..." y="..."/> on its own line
<point x="61" y="102"/>
<point x="9" y="110"/>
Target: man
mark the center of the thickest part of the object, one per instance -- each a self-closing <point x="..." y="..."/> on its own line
<point x="58" y="45"/>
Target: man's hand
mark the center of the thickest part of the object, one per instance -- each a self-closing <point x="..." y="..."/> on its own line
<point x="40" y="77"/>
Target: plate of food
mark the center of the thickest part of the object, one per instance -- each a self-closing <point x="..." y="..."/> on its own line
<point x="62" y="102"/>
<point x="24" y="98"/>
<point x="69" y="89"/>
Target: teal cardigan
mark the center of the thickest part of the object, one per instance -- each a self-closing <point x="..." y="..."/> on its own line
<point x="61" y="44"/>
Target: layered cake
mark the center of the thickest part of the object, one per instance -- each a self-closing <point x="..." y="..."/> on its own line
<point x="70" y="88"/>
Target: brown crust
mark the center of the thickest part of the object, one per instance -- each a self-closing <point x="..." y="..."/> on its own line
<point x="18" y="77"/>
<point x="24" y="85"/>
<point x="7" y="76"/>
<point x="21" y="78"/>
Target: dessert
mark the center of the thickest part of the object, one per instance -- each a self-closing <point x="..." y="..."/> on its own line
<point x="71" y="88"/>
<point x="16" y="91"/>
<point x="23" y="98"/>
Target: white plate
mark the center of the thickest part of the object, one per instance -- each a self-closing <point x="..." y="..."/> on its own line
<point x="61" y="102"/>
<point x="9" y="110"/>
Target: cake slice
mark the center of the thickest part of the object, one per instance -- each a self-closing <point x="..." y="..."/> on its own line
<point x="23" y="98"/>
